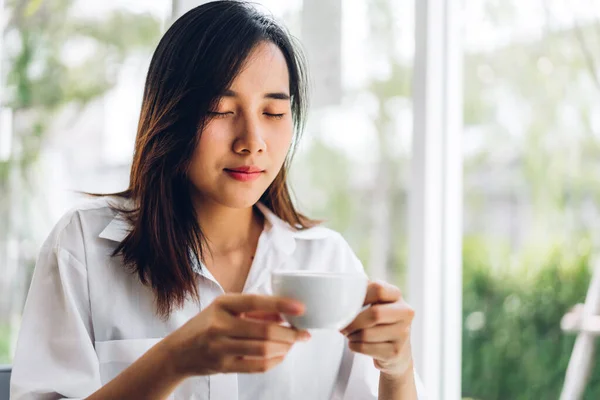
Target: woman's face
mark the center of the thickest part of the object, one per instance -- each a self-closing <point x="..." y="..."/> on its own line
<point x="244" y="146"/>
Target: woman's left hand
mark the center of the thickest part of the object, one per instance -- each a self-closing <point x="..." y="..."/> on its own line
<point x="382" y="331"/>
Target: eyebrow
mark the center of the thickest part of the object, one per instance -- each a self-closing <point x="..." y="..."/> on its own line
<point x="276" y="95"/>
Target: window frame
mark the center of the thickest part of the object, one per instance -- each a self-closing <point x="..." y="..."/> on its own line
<point x="435" y="198"/>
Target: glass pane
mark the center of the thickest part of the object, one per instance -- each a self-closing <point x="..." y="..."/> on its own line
<point x="532" y="141"/>
<point x="352" y="167"/>
<point x="73" y="75"/>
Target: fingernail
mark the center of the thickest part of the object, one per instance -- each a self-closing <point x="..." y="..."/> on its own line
<point x="304" y="336"/>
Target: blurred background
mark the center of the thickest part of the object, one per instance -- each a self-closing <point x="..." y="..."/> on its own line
<point x="72" y="75"/>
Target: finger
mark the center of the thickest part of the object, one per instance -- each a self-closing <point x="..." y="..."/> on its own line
<point x="252" y="366"/>
<point x="379" y="351"/>
<point x="381" y="333"/>
<point x="248" y="329"/>
<point x="253" y="348"/>
<point x="379" y="315"/>
<point x="382" y="292"/>
<point x="237" y="304"/>
<point x="263" y="316"/>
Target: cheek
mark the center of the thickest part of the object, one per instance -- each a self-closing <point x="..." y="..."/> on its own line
<point x="211" y="145"/>
<point x="208" y="149"/>
<point x="199" y="156"/>
<point x="196" y="169"/>
<point x="280" y="144"/>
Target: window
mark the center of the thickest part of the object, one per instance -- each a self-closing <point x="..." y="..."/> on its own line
<point x="71" y="91"/>
<point x="532" y="101"/>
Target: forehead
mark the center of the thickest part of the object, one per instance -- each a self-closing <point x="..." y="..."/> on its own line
<point x="265" y="69"/>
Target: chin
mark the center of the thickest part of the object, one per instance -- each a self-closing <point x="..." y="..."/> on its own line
<point x="239" y="199"/>
<point x="233" y="194"/>
<point x="239" y="203"/>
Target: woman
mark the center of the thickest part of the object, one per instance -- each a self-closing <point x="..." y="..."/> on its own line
<point x="161" y="291"/>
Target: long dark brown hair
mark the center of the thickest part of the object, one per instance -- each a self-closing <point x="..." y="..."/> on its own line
<point x="195" y="61"/>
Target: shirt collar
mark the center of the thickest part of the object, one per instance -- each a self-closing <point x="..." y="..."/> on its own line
<point x="119" y="227"/>
<point x="282" y="235"/>
<point x="279" y="232"/>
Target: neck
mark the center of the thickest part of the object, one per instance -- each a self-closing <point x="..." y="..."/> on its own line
<point x="228" y="229"/>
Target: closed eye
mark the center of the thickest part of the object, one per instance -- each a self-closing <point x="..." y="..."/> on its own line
<point x="274" y="116"/>
<point x="215" y="114"/>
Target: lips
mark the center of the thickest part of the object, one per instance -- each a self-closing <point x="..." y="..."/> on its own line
<point x="248" y="169"/>
<point x="245" y="173"/>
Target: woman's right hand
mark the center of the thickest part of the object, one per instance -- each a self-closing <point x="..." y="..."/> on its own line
<point x="237" y="333"/>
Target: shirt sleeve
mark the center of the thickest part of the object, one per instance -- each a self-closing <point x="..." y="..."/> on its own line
<point x="363" y="382"/>
<point x="55" y="356"/>
<point x="362" y="377"/>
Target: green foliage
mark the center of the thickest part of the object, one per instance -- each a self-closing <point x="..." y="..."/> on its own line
<point x="327" y="170"/>
<point x="550" y="133"/>
<point x="54" y="58"/>
<point x="5" y="344"/>
<point x="42" y="77"/>
<point x="513" y="347"/>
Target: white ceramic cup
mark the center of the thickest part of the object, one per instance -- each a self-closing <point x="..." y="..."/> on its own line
<point x="332" y="300"/>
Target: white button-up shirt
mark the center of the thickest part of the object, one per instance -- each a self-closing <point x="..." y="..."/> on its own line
<point x="87" y="318"/>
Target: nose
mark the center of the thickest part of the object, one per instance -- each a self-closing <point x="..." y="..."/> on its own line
<point x="250" y="138"/>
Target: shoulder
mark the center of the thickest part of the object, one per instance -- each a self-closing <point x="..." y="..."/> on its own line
<point x="318" y="232"/>
<point x="322" y="236"/>
<point x="325" y="246"/>
<point x="313" y="238"/>
<point x="82" y="223"/>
